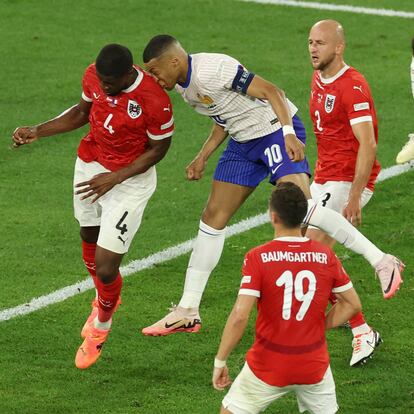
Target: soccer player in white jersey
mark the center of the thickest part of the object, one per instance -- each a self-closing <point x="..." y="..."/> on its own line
<point x="267" y="138"/>
<point x="407" y="152"/>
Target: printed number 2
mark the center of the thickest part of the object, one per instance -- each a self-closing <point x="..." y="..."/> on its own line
<point x="318" y="121"/>
<point x="273" y="154"/>
<point x="106" y="124"/>
<point x="286" y="279"/>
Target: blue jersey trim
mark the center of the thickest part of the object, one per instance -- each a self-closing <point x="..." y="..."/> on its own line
<point x="242" y="80"/>
<point x="188" y="78"/>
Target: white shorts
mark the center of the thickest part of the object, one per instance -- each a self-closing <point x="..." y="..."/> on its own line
<point x="250" y="395"/>
<point x="119" y="211"/>
<point x="334" y="194"/>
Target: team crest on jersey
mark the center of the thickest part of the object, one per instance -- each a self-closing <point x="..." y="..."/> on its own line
<point x="206" y="100"/>
<point x="329" y="103"/>
<point x="134" y="110"/>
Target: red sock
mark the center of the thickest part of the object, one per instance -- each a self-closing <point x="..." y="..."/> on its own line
<point x="88" y="254"/>
<point x="357" y="320"/>
<point x="108" y="295"/>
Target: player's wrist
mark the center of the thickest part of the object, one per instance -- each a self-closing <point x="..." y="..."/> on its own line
<point x="288" y="130"/>
<point x="219" y="363"/>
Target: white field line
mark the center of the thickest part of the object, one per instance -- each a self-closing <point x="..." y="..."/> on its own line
<point x="336" y="7"/>
<point x="159" y="257"/>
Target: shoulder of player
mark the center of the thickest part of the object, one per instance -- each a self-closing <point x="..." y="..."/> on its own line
<point x="90" y="71"/>
<point x="208" y="66"/>
<point x="148" y="89"/>
<point x="353" y="76"/>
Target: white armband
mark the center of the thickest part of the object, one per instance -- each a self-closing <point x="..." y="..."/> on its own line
<point x="218" y="363"/>
<point x="288" y="129"/>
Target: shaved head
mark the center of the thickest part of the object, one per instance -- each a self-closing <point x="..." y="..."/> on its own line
<point x="326" y="46"/>
<point x="161" y="45"/>
<point x="331" y="28"/>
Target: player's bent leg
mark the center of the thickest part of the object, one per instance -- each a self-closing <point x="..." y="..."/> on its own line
<point x="388" y="267"/>
<point x="224" y="200"/>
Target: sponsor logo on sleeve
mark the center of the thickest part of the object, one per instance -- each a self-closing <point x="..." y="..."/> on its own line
<point x="246" y="279"/>
<point x="361" y="106"/>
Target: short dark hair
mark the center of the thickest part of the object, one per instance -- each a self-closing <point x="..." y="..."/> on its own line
<point x="289" y="202"/>
<point x="114" y="60"/>
<point x="157" y="46"/>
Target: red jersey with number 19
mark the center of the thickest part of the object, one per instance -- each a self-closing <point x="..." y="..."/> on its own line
<point x="336" y="104"/>
<point x="121" y="125"/>
<point x="292" y="277"/>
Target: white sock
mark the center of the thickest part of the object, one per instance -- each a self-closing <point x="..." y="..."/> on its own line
<point x="361" y="329"/>
<point x="338" y="227"/>
<point x="102" y="325"/>
<point x="206" y="253"/>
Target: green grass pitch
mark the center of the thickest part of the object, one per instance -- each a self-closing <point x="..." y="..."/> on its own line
<point x="46" y="46"/>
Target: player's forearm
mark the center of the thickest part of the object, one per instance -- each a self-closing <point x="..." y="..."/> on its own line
<point x="340" y="313"/>
<point x="365" y="160"/>
<point x="149" y="158"/>
<point x="214" y="140"/>
<point x="232" y="334"/>
<point x="72" y="118"/>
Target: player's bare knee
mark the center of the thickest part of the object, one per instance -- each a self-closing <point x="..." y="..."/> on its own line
<point x="214" y="217"/>
<point x="106" y="272"/>
<point x="89" y="234"/>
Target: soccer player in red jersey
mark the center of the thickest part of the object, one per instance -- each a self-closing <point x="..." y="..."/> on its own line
<point x="346" y="130"/>
<point x="131" y="125"/>
<point x="291" y="279"/>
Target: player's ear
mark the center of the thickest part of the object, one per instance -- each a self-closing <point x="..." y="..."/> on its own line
<point x="274" y="218"/>
<point x="340" y="47"/>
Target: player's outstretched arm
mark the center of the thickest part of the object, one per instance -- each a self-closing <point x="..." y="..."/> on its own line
<point x="102" y="183"/>
<point x="345" y="308"/>
<point x="233" y="332"/>
<point x="195" y="169"/>
<point x="263" y="89"/>
<point x="73" y="118"/>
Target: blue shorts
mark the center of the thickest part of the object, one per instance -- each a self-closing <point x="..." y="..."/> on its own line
<point x="251" y="162"/>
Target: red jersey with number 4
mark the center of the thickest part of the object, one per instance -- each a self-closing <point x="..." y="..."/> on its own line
<point x="292" y="277"/>
<point x="336" y="104"/>
<point x="121" y="125"/>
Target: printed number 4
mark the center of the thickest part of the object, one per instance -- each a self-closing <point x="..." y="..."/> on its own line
<point x="296" y="288"/>
<point x="106" y="124"/>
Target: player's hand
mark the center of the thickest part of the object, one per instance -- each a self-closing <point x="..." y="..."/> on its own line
<point x="352" y="211"/>
<point x="24" y="135"/>
<point x="195" y="169"/>
<point x="98" y="185"/>
<point x="294" y="147"/>
<point x="221" y="378"/>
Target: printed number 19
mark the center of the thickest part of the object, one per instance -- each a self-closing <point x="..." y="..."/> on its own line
<point x="286" y="279"/>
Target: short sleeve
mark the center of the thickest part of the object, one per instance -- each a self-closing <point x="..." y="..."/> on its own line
<point x="86" y="93"/>
<point x="160" y="124"/>
<point x="251" y="279"/>
<point x="358" y="102"/>
<point x="342" y="282"/>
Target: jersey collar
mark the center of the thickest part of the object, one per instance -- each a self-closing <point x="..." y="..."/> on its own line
<point x="335" y="77"/>
<point x="136" y="83"/>
<point x="292" y="239"/>
<point x="188" y="78"/>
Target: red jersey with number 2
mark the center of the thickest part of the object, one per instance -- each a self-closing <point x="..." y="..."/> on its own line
<point x="292" y="277"/>
<point x="121" y="125"/>
<point x="336" y="104"/>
